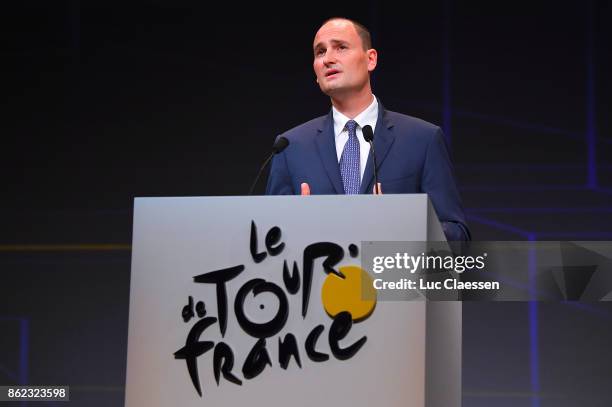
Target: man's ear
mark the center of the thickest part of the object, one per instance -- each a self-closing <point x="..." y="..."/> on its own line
<point x="372" y="59"/>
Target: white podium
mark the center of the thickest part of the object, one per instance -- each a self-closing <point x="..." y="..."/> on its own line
<point x="239" y="290"/>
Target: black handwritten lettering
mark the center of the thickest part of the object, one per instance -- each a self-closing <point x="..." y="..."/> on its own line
<point x="270" y="328"/>
<point x="339" y="329"/>
<point x="311" y="342"/>
<point x="223" y="362"/>
<point x="220" y="277"/>
<point x="333" y="254"/>
<point x="256" y="360"/>
<point x="188" y="310"/>
<point x="194" y="348"/>
<point x="257" y="257"/>
<point x="292" y="281"/>
<point x="272" y="237"/>
<point x="223" y="358"/>
<point x="286" y="349"/>
<point x="201" y="309"/>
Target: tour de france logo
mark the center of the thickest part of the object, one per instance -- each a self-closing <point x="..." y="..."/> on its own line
<point x="347" y="296"/>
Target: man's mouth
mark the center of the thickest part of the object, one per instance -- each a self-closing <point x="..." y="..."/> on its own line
<point x="331" y="72"/>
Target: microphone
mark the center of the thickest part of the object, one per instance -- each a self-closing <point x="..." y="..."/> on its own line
<point x="279" y="145"/>
<point x="368" y="135"/>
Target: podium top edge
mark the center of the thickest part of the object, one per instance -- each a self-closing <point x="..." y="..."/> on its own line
<point x="331" y="196"/>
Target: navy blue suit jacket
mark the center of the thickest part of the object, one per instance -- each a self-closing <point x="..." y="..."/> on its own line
<point x="411" y="156"/>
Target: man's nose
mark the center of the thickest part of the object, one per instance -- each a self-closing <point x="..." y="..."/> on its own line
<point x="329" y="58"/>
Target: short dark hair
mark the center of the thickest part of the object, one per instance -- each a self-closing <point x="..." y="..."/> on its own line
<point x="362" y="31"/>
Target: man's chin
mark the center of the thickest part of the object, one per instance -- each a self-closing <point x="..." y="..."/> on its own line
<point x="333" y="90"/>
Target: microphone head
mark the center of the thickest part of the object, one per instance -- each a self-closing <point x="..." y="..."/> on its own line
<point x="280" y="144"/>
<point x="368" y="134"/>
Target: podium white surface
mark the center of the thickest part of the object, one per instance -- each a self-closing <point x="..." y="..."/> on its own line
<point x="412" y="354"/>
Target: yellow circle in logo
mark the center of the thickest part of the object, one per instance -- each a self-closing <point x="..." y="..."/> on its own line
<point x="353" y="293"/>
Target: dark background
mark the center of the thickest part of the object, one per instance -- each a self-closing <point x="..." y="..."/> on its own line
<point x="103" y="102"/>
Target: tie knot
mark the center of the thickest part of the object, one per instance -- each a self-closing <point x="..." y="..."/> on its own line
<point x="351" y="126"/>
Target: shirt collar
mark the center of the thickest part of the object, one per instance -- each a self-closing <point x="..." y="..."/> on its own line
<point x="368" y="116"/>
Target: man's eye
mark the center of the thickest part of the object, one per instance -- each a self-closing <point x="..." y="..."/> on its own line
<point x="320" y="52"/>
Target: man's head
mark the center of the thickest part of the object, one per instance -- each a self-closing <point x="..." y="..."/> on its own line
<point x="343" y="58"/>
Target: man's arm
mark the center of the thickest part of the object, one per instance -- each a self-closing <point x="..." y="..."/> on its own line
<point x="438" y="182"/>
<point x="279" y="180"/>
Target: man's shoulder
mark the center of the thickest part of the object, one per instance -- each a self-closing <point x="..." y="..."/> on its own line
<point x="402" y="121"/>
<point x="410" y="122"/>
<point x="306" y="129"/>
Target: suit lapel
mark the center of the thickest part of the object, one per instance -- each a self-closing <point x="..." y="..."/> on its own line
<point x="383" y="139"/>
<point x="326" y="145"/>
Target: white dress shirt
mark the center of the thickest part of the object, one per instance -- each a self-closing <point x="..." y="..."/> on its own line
<point x="369" y="116"/>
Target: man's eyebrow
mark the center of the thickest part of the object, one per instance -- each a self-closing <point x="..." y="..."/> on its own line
<point x="334" y="42"/>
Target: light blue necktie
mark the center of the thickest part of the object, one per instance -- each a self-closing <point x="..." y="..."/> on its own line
<point x="349" y="161"/>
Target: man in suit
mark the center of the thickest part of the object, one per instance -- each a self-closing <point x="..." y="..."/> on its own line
<point x="329" y="155"/>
